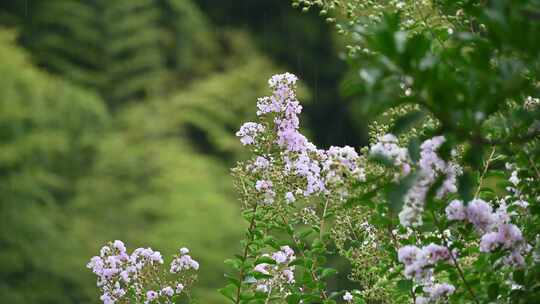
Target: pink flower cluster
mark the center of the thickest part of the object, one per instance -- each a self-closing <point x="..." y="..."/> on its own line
<point x="419" y="264"/>
<point x="321" y="170"/>
<point x="418" y="261"/>
<point x="265" y="187"/>
<point x="435" y="293"/>
<point x="430" y="167"/>
<point x="248" y="132"/>
<point x="387" y="147"/>
<point x="183" y="261"/>
<point x="495" y="227"/>
<point x="279" y="274"/>
<point x="119" y="274"/>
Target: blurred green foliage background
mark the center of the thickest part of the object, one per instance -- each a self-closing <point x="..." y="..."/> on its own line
<point x="118" y="120"/>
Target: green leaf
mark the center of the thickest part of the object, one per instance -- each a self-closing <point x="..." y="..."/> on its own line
<point x="328" y="272"/>
<point x="405" y="122"/>
<point x="293" y="299"/>
<point x="519" y="276"/>
<point x="229" y="291"/>
<point x="465" y="186"/>
<point x="265" y="259"/>
<point x="493" y="291"/>
<point x="234" y="263"/>
<point x="395" y="193"/>
<point x="232" y="280"/>
<point x="405" y="285"/>
<point x="414" y="149"/>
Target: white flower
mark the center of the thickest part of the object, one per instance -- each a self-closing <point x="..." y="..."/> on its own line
<point x="179" y="288"/>
<point x="168" y="291"/>
<point x="421" y="300"/>
<point x="262" y="288"/>
<point x="289" y="197"/>
<point x="514" y="179"/>
<point x="347" y="296"/>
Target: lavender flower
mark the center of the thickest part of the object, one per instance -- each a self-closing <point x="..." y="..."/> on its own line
<point x="455" y="211"/>
<point x="480" y="214"/>
<point x="249" y="132"/>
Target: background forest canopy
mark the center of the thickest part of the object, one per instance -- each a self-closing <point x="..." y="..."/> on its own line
<point x="118" y="121"/>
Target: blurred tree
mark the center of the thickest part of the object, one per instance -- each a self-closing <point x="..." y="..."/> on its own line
<point x="48" y="135"/>
<point x="73" y="178"/>
<point x="307" y="46"/>
<point x="152" y="185"/>
<point x="124" y="50"/>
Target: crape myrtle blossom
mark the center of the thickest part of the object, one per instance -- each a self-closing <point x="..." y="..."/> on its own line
<point x="419" y="263"/>
<point x="265" y="187"/>
<point x="429" y="168"/>
<point x="119" y="274"/>
<point x="289" y="197"/>
<point x="387" y="147"/>
<point x="261" y="163"/>
<point x="249" y="132"/>
<point x="455" y="210"/>
<point x="277" y="276"/>
<point x="183" y="261"/>
<point x="321" y="171"/>
<point x="435" y="293"/>
<point x="494" y="227"/>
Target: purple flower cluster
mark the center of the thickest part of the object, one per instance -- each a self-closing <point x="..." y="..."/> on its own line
<point x="265" y="187"/>
<point x="119" y="274"/>
<point x="183" y="261"/>
<point x="494" y="226"/>
<point x="279" y="274"/>
<point x="387" y="147"/>
<point x="430" y="167"/>
<point x="419" y="263"/>
<point x="321" y="170"/>
<point x="435" y="293"/>
<point x="249" y="132"/>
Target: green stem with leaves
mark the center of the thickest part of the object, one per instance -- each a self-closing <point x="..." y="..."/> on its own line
<point x="298" y="245"/>
<point x="454" y="259"/>
<point x="250" y="238"/>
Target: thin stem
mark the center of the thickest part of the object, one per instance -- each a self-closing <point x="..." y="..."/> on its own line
<point x="268" y="295"/>
<point x="454" y="260"/>
<point x="301" y="252"/>
<point x="321" y="225"/>
<point x="486" y="167"/>
<point x="244" y="255"/>
<point x="396" y="244"/>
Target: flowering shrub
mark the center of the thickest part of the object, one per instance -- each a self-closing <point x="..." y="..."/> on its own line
<point x="140" y="277"/>
<point x="443" y="206"/>
<point x="394" y="210"/>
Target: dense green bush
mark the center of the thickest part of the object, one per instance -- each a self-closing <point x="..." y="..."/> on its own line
<point x="49" y="135"/>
